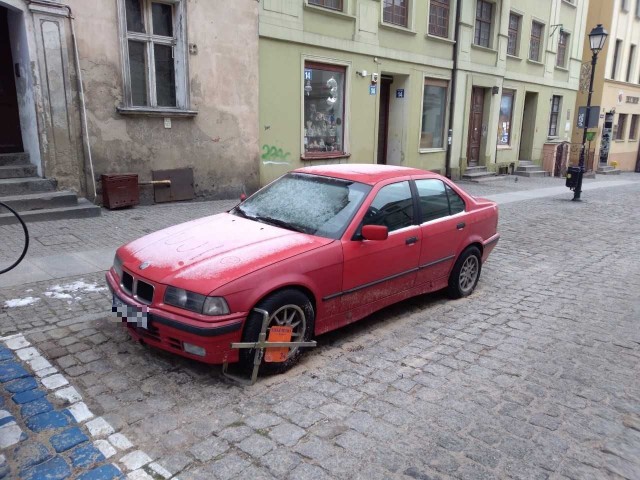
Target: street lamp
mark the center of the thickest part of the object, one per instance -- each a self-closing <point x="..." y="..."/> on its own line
<point x="597" y="37"/>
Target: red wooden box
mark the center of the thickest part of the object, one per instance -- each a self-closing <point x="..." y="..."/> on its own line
<point x="120" y="190"/>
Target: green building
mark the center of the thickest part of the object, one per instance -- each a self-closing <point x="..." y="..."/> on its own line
<point x="370" y="81"/>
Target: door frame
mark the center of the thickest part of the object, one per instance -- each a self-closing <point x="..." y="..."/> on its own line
<point x="383" y="133"/>
<point x="531" y="125"/>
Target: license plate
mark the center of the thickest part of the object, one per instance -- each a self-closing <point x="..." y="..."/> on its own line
<point x="130" y="313"/>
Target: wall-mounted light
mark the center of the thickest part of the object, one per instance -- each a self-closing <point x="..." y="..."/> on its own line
<point x="363" y="73"/>
<point x="495" y="90"/>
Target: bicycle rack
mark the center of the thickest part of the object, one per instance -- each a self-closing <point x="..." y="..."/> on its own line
<point x="260" y="347"/>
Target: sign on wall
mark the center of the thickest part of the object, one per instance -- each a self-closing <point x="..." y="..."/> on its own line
<point x="400" y="93"/>
<point x="373" y="89"/>
<point x="581" y="119"/>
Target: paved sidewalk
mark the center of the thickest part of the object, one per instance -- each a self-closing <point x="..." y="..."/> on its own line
<point x="80" y="247"/>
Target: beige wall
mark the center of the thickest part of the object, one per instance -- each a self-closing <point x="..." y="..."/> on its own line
<point x="220" y="142"/>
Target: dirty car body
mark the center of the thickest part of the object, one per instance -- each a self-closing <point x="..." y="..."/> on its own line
<point x="352" y="239"/>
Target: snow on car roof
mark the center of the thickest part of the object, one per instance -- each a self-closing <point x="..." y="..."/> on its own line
<point x="363" y="172"/>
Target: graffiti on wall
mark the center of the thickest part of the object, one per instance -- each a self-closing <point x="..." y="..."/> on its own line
<point x="273" y="155"/>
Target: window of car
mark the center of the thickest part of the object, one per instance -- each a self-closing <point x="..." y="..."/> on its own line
<point x="306" y="203"/>
<point x="456" y="203"/>
<point x="438" y="200"/>
<point x="391" y="207"/>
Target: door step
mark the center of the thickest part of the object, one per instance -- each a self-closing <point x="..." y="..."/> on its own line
<point x="83" y="209"/>
<point x="8" y="159"/>
<point x="18" y="171"/>
<point x="25" y="185"/>
<point x="608" y="170"/>
<point x="478" y="174"/>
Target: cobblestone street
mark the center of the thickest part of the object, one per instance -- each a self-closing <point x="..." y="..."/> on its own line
<point x="536" y="375"/>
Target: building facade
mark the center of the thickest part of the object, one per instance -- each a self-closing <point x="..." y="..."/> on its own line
<point x="616" y="86"/>
<point x="368" y="81"/>
<point x="165" y="86"/>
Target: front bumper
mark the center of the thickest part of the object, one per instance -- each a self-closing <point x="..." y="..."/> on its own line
<point x="169" y="332"/>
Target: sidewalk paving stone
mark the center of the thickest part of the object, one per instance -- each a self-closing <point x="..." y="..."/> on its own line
<point x="71" y="437"/>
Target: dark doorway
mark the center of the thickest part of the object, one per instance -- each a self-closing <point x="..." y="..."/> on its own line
<point x="383" y="119"/>
<point x="10" y="134"/>
<point x="476" y="115"/>
<point x="528" y="126"/>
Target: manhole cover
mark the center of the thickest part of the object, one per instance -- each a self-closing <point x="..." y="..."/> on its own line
<point x="49" y="240"/>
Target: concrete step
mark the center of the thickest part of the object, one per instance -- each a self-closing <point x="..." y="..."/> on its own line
<point x="525" y="162"/>
<point x="532" y="173"/>
<point x="18" y="171"/>
<point x="608" y="171"/>
<point x="14" y="159"/>
<point x="527" y="168"/>
<point x="475" y="169"/>
<point x="41" y="201"/>
<point x="84" y="209"/>
<point x="23" y="186"/>
<point x="478" y="176"/>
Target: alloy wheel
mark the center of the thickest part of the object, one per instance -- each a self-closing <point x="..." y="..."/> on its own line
<point x="468" y="274"/>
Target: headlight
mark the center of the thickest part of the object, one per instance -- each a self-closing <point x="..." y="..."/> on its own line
<point x="117" y="266"/>
<point x="195" y="302"/>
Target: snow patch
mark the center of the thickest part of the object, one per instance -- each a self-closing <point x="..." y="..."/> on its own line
<point x="20" y="302"/>
<point x="64" y="292"/>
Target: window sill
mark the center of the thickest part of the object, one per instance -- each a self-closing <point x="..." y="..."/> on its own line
<point x="505" y="147"/>
<point x="484" y="49"/>
<point x="633" y="140"/>
<point x="562" y="69"/>
<point x="327" y="11"/>
<point x="514" y="57"/>
<point x="325" y="156"/>
<point x="535" y="62"/>
<point x="436" y="38"/>
<point x="553" y="139"/>
<point x="397" y="28"/>
<point x="156" y="112"/>
<point x="432" y="150"/>
<point x="620" y="140"/>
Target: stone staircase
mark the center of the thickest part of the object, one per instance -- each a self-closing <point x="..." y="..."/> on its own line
<point x="607" y="170"/>
<point x="526" y="168"/>
<point x="478" y="175"/>
<point x="35" y="198"/>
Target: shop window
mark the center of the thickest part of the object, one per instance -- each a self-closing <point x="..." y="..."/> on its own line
<point x="484" y="17"/>
<point x="556" y="103"/>
<point x="622" y="124"/>
<point x="633" y="127"/>
<point x="561" y="56"/>
<point x="439" y="18"/>
<point x="331" y="4"/>
<point x="434" y="109"/>
<point x="535" y="45"/>
<point x="392" y="207"/>
<point x="324" y="107"/>
<point x="514" y="34"/>
<point x="506" y="117"/>
<point x="154" y="45"/>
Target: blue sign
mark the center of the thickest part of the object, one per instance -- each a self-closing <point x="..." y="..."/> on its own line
<point x="373" y="89"/>
<point x="400" y="93"/>
<point x="307" y="74"/>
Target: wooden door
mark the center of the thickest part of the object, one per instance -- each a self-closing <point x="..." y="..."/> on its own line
<point x="10" y="134"/>
<point x="475" y="126"/>
<point x="383" y="119"/>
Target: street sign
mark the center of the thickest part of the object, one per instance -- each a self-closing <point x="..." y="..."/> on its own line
<point x="400" y="93"/>
<point x="373" y="89"/>
<point x="592" y="122"/>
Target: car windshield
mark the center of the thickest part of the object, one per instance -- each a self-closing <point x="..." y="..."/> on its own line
<point x="306" y="203"/>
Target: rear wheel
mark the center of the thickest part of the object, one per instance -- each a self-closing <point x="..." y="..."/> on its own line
<point x="286" y="308"/>
<point x="465" y="274"/>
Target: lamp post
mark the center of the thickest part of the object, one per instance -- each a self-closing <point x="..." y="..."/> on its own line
<point x="597" y="37"/>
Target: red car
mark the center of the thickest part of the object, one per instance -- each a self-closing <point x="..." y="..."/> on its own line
<point x="319" y="248"/>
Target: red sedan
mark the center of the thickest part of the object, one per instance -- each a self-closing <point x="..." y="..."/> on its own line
<point x="319" y="248"/>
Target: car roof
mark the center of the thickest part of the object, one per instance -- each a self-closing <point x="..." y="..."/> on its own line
<point x="363" y="172"/>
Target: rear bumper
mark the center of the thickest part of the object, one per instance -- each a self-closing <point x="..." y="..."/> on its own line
<point x="488" y="246"/>
<point x="169" y="332"/>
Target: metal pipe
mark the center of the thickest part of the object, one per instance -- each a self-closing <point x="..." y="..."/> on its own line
<point x="452" y="99"/>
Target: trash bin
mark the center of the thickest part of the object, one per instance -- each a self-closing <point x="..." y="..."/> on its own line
<point x="573" y="173"/>
<point x="120" y="190"/>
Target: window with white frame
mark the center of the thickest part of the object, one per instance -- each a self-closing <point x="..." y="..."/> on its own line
<point x="154" y="52"/>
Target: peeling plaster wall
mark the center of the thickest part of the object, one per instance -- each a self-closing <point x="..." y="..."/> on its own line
<point x="221" y="142"/>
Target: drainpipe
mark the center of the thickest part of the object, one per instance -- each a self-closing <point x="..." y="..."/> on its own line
<point x="83" y="105"/>
<point x="452" y="100"/>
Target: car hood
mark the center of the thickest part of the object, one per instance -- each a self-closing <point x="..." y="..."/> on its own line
<point x="207" y="253"/>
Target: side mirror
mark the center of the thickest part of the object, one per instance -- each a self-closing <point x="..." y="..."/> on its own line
<point x="375" y="232"/>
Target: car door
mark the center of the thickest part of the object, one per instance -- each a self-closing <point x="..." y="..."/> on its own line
<point x="443" y="229"/>
<point x="376" y="269"/>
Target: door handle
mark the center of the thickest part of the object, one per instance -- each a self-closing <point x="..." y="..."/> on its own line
<point x="411" y="240"/>
<point x="461" y="225"/>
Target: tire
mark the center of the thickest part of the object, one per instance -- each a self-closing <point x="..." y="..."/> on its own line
<point x="465" y="274"/>
<point x="284" y="303"/>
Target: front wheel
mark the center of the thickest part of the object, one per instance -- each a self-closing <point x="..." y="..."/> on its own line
<point x="465" y="274"/>
<point x="286" y="308"/>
